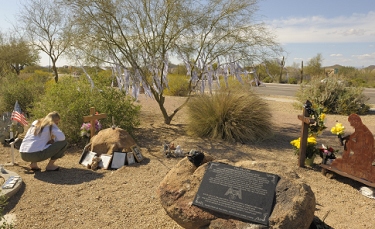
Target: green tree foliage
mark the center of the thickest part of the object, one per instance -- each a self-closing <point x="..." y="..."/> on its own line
<point x="314" y="66"/>
<point x="178" y="85"/>
<point x="15" y="54"/>
<point x="333" y="96"/>
<point x="268" y="71"/>
<point x="139" y="35"/>
<point x="230" y="115"/>
<point x="24" y="90"/>
<point x="33" y="68"/>
<point x="72" y="98"/>
<point x="358" y="77"/>
<point x="47" y="27"/>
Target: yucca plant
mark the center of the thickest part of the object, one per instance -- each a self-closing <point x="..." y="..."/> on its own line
<point x="230" y="115"/>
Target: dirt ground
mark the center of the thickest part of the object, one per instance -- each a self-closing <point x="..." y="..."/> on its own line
<point x="76" y="197"/>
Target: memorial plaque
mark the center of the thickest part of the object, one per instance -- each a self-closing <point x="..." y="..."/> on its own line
<point x="239" y="192"/>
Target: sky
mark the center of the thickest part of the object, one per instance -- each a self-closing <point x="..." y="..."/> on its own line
<point x="342" y="31"/>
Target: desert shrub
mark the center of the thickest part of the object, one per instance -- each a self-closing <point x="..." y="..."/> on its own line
<point x="357" y="82"/>
<point x="13" y="89"/>
<point x="40" y="76"/>
<point x="34" y="68"/>
<point x="178" y="85"/>
<point x="232" y="82"/>
<point x="292" y="80"/>
<point x="267" y="79"/>
<point x="333" y="96"/>
<point x="72" y="98"/>
<point x="3" y="204"/>
<point x="230" y="115"/>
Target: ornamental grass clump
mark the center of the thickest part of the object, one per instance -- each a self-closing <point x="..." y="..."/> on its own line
<point x="232" y="116"/>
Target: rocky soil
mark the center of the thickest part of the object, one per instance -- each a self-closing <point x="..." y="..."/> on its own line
<point x="76" y="197"/>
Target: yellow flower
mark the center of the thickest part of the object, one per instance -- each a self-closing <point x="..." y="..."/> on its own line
<point x="296" y="143"/>
<point x="322" y="117"/>
<point x="338" y="129"/>
<point x="311" y="140"/>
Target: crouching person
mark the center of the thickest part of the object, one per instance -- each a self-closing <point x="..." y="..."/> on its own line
<point x="44" y="140"/>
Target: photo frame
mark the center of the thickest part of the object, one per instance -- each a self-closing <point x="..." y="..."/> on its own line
<point x="118" y="160"/>
<point x="87" y="157"/>
<point x="130" y="158"/>
<point x="106" y="160"/>
<point x="137" y="153"/>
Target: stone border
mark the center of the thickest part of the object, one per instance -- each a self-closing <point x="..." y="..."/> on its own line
<point x="6" y="174"/>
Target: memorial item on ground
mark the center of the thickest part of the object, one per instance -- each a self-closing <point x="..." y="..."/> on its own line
<point x="93" y="119"/>
<point x="94" y="163"/>
<point x="86" y="158"/>
<point x="339" y="130"/>
<point x="313" y="123"/>
<point x="239" y="192"/>
<point x="86" y="128"/>
<point x="357" y="161"/>
<point x="130" y="158"/>
<point x="118" y="160"/>
<point x="114" y="146"/>
<point x="196" y="157"/>
<point x="137" y="153"/>
<point x="169" y="150"/>
<point x="359" y="153"/>
<point x="311" y="148"/>
<point x="105" y="161"/>
<point x="327" y="154"/>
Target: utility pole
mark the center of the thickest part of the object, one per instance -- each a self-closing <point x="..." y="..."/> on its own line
<point x="301" y="71"/>
<point x="281" y="69"/>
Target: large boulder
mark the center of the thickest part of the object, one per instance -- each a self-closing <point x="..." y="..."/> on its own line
<point x="112" y="140"/>
<point x="294" y="203"/>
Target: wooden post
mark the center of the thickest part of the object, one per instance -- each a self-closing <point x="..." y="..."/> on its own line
<point x="91" y="118"/>
<point x="306" y="121"/>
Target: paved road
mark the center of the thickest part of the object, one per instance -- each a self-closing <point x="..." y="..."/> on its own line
<point x="291" y="89"/>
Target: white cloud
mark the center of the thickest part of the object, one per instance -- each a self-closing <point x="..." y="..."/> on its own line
<point x="337" y="55"/>
<point x="353" y="28"/>
<point x="366" y="56"/>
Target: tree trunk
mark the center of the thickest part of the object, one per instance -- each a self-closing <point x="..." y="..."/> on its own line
<point x="160" y="99"/>
<point x="54" y="68"/>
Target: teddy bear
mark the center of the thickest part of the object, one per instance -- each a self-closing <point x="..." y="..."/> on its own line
<point x="94" y="163"/>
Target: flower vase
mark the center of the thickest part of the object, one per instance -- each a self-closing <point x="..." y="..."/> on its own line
<point x="324" y="160"/>
<point x="341" y="139"/>
<point x="310" y="161"/>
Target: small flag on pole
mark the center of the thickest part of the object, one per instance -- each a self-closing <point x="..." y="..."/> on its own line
<point x="18" y="116"/>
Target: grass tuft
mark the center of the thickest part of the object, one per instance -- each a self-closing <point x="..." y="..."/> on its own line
<point x="232" y="116"/>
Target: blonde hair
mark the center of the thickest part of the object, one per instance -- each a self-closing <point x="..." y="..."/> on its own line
<point x="46" y="121"/>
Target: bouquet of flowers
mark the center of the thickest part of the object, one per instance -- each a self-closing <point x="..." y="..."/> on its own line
<point x="317" y="128"/>
<point x="86" y="128"/>
<point x="327" y="153"/>
<point x="339" y="130"/>
<point x="311" y="149"/>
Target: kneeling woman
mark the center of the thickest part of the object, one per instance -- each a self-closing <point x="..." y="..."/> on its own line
<point x="44" y="140"/>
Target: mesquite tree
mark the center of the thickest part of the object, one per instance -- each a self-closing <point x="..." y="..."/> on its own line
<point x="47" y="27"/>
<point x="139" y="37"/>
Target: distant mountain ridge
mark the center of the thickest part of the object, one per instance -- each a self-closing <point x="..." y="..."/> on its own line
<point x="370" y="68"/>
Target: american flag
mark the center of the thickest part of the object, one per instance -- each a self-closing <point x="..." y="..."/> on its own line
<point x="18" y="116"/>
